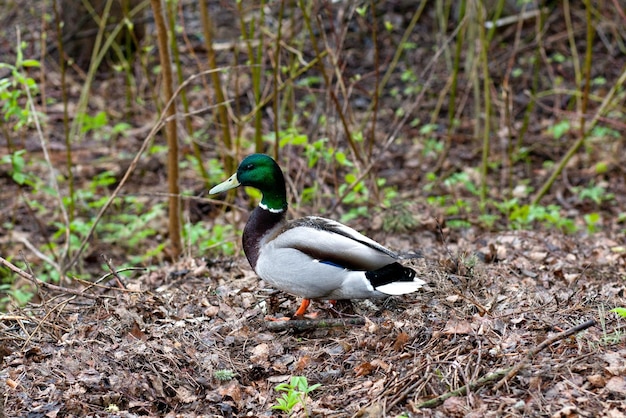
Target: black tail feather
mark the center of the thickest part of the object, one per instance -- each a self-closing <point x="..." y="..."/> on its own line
<point x="394" y="272"/>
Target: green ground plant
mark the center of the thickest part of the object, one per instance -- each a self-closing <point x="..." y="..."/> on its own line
<point x="15" y="89"/>
<point x="594" y="192"/>
<point x="224" y="375"/>
<point x="18" y="170"/>
<point x="294" y="393"/>
<point x="218" y="240"/>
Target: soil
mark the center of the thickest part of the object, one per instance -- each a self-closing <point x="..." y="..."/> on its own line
<point x="511" y="322"/>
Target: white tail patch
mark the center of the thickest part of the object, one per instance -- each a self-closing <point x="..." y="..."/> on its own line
<point x="401" y="288"/>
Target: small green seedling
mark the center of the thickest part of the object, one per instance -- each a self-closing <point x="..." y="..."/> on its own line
<point x="620" y="311"/>
<point x="296" y="392"/>
<point x="224" y="375"/>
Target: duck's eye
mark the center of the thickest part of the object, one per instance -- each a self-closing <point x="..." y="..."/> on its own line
<point x="249" y="167"/>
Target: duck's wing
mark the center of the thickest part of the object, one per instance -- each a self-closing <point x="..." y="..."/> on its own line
<point x="331" y="242"/>
<point x="319" y="258"/>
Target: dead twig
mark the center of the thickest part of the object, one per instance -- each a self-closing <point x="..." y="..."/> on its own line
<point x="15" y="269"/>
<point x="88" y="285"/>
<point x="44" y="324"/>
<point x="506" y="374"/>
<point x="8" y="317"/>
<point x="464" y="389"/>
<point x="483" y="310"/>
<point x="546" y="343"/>
<point x="308" y="324"/>
<point x="40" y="283"/>
<point x="107" y="261"/>
<point x="405" y="392"/>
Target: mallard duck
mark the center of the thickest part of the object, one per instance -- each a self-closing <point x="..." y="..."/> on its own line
<point x="312" y="257"/>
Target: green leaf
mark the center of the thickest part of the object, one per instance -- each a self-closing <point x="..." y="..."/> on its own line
<point x="31" y="63"/>
<point x="592" y="218"/>
<point x="312" y="388"/>
<point x="299" y="382"/>
<point x="558" y="57"/>
<point x="121" y="127"/>
<point x="341" y="158"/>
<point x="560" y="128"/>
<point x="428" y="128"/>
<point x="620" y="311"/>
<point x="283" y="386"/>
<point x="601" y="167"/>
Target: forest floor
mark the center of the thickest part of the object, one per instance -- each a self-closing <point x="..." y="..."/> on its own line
<point x="511" y="323"/>
<point x="191" y="340"/>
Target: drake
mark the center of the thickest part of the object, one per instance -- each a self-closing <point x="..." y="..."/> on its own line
<point x="312" y="257"/>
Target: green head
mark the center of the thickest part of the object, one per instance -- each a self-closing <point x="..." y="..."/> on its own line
<point x="261" y="172"/>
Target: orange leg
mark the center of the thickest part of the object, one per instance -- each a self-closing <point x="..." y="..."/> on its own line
<point x="302" y="309"/>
